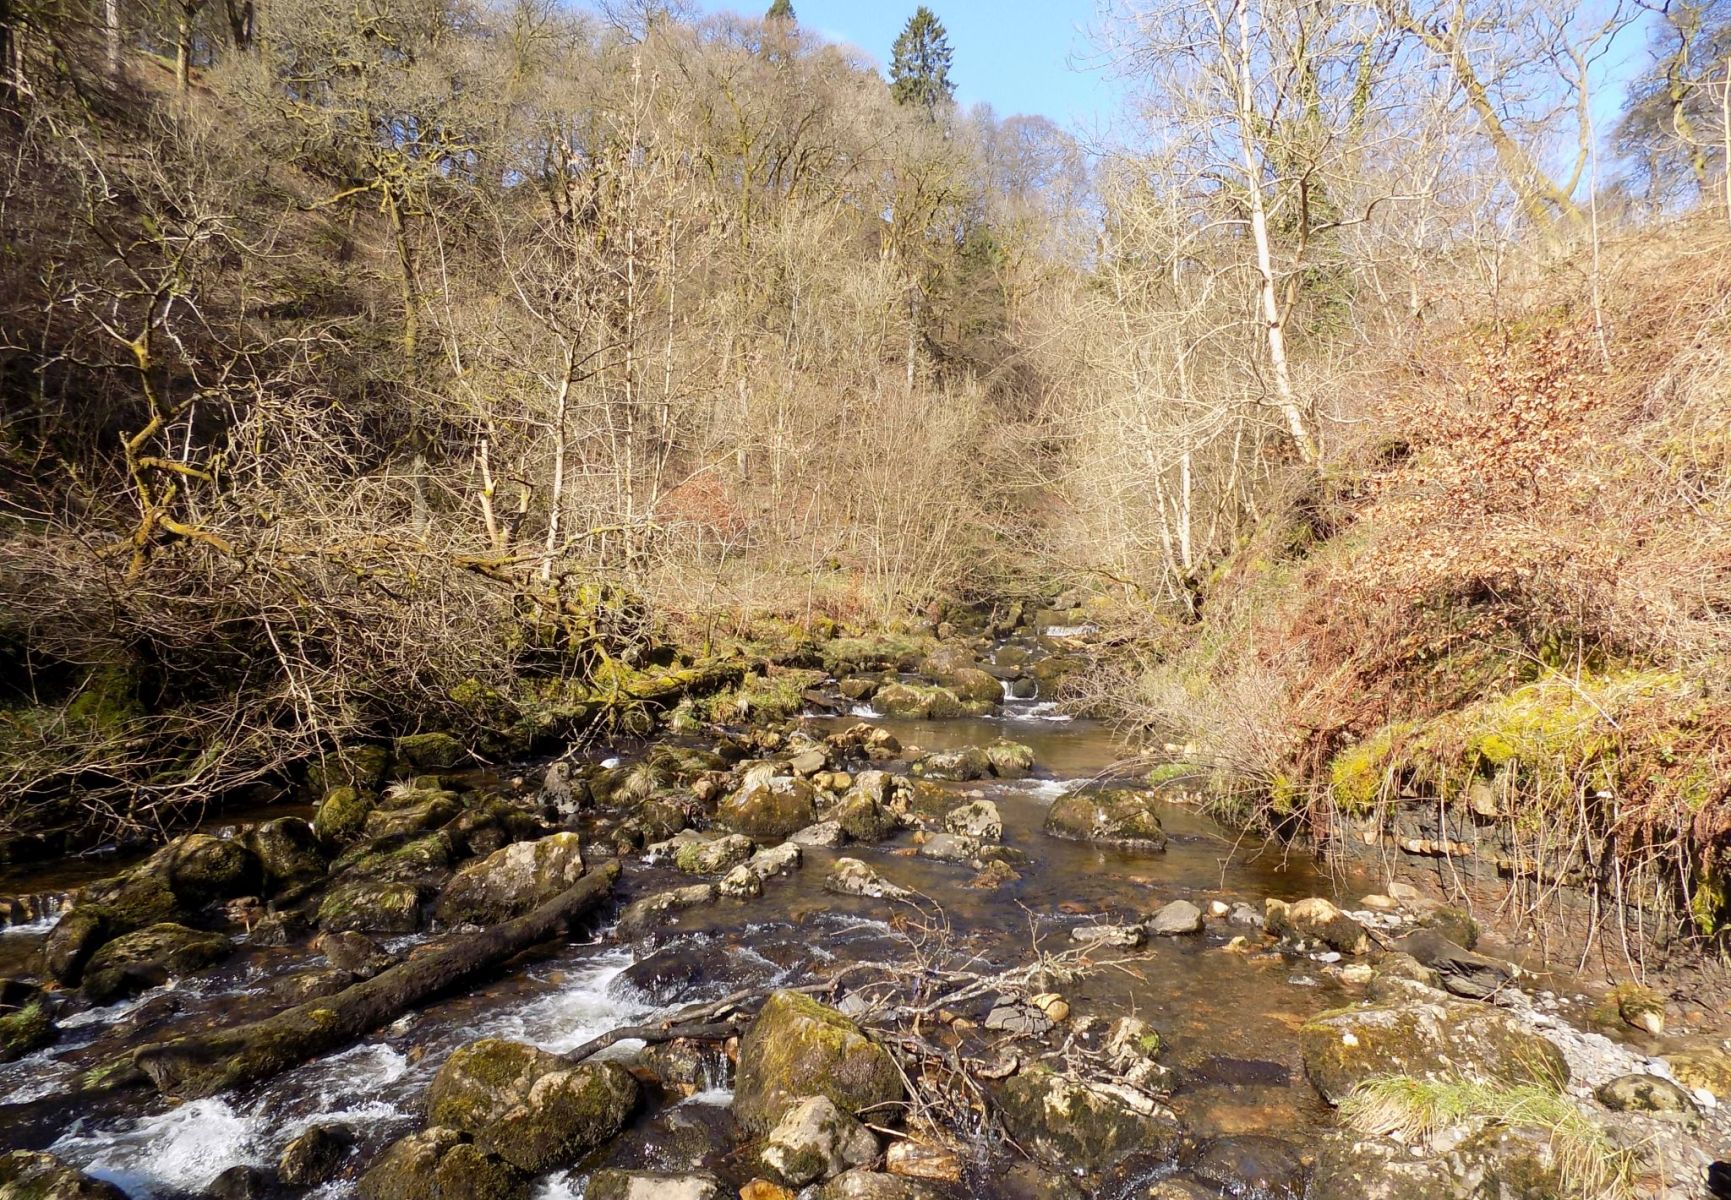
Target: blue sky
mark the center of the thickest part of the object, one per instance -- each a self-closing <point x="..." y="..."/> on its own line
<point x="1015" y="55"/>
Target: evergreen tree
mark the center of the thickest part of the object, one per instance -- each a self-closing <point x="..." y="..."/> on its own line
<point x="779" y="10"/>
<point x="920" y="63"/>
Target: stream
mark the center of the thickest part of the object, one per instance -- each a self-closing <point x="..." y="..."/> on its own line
<point x="1226" y="1018"/>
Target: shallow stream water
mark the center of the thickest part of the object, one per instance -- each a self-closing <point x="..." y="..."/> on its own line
<point x="1226" y="1018"/>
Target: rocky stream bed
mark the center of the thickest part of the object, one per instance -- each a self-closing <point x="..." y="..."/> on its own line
<point x="917" y="941"/>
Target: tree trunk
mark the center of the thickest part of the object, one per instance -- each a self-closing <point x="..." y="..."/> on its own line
<point x="204" y="1064"/>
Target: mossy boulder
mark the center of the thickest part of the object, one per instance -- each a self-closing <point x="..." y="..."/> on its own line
<point x="796" y="1048"/>
<point x="1425" y="1040"/>
<point x="977" y="819"/>
<point x="371" y="906"/>
<point x="434" y="812"/>
<point x="531" y="1108"/>
<point x="423" y="860"/>
<point x="314" y="1156"/>
<point x="26" y="1020"/>
<point x="361" y="766"/>
<point x="441" y="1164"/>
<point x="863" y="818"/>
<point x="769" y="807"/>
<point x="1010" y="760"/>
<point x="1315" y="920"/>
<point x="35" y="1175"/>
<point x="814" y="1141"/>
<point x="1085" y="1125"/>
<point x="201" y="868"/>
<point x="1122" y="817"/>
<point x="149" y="957"/>
<point x="713" y="855"/>
<point x="912" y="701"/>
<point x="1704" y="1068"/>
<point x="289" y="854"/>
<point x="429" y="751"/>
<point x="511" y="881"/>
<point x="973" y="687"/>
<point x="341" y="815"/>
<point x="956" y="766"/>
<point x="105" y="911"/>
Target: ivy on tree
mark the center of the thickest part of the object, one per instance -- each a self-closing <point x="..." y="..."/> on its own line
<point x="920" y="63"/>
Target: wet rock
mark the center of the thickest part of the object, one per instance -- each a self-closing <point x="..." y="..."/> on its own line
<point x="440" y="1164"/>
<point x="1010" y="760"/>
<point x="871" y="742"/>
<point x="1023" y="688"/>
<point x="873" y="1185"/>
<point x="1349" y="1168"/>
<point x="1706" y="1069"/>
<point x="429" y="751"/>
<point x="825" y="835"/>
<point x="1400" y="965"/>
<point x="979" y="819"/>
<point x="297" y="987"/>
<point x="359" y="765"/>
<point x="950" y="847"/>
<point x="851" y="877"/>
<point x="1244" y="914"/>
<point x="1251" y="1164"/>
<point x="977" y="689"/>
<point x="1112" y="816"/>
<point x="342" y="815"/>
<point x="1177" y="1187"/>
<point x="34" y="1175"/>
<point x="432" y="813"/>
<point x="370" y="906"/>
<point x="489" y="823"/>
<point x="1426" y="1040"/>
<point x="815" y="1141"/>
<point x="1315" y="920"/>
<point x="1455" y="924"/>
<point x="797" y="1048"/>
<point x="242" y="1183"/>
<point x="921" y="1160"/>
<point x="315" y="1155"/>
<point x="741" y="883"/>
<point x="289" y="854"/>
<point x="138" y="961"/>
<point x="919" y="702"/>
<point x="807" y="762"/>
<point x="995" y="874"/>
<point x="1645" y="1093"/>
<point x="26" y="1019"/>
<point x="863" y="817"/>
<point x="954" y="766"/>
<point x="613" y="1184"/>
<point x="560" y="792"/>
<point x="1458" y="969"/>
<point x="529" y="1107"/>
<point x="510" y="882"/>
<point x="353" y="952"/>
<point x="713" y="855"/>
<point x="200" y="868"/>
<point x="1019" y="1018"/>
<point x="1117" y="937"/>
<point x="688" y="1066"/>
<point x="774" y="861"/>
<point x="1176" y="919"/>
<point x="642" y="916"/>
<point x="769" y="807"/>
<point x="1027" y="1180"/>
<point x="1074" y="1123"/>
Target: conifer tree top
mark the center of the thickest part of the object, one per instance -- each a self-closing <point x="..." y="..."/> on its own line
<point x="920" y="63"/>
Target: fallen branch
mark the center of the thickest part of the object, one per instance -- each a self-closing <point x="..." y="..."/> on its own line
<point x="204" y="1064"/>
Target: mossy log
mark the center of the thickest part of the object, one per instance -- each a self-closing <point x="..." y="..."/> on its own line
<point x="204" y="1064"/>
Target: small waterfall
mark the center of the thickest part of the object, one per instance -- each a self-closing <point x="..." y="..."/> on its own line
<point x="32" y="914"/>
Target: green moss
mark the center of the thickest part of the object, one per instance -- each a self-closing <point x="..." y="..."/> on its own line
<point x="773" y="697"/>
<point x="1360" y="776"/>
<point x="27" y="1028"/>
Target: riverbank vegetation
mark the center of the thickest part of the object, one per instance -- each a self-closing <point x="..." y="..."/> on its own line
<point x="497" y="368"/>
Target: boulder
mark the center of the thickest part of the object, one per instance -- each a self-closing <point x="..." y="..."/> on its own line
<point x="433" y="812"/>
<point x="289" y="854"/>
<point x="874" y="1185"/>
<point x="851" y="877"/>
<point x="974" y="687"/>
<point x="1176" y="919"/>
<point x="1646" y="1093"/>
<point x="863" y="740"/>
<point x="422" y="860"/>
<point x="199" y="868"/>
<point x="315" y="1155"/>
<point x="1456" y="968"/>
<point x="979" y="819"/>
<point x="1315" y="920"/>
<point x="358" y="765"/>
<point x="825" y="835"/>
<point x="371" y="906"/>
<point x="741" y="883"/>
<point x="1084" y="1125"/>
<point x="149" y="957"/>
<point x="918" y="702"/>
<point x="35" y="1175"/>
<point x="1445" y="1039"/>
<point x="815" y="1141"/>
<point x="440" y="1164"/>
<point x="1705" y="1069"/>
<point x="242" y="1182"/>
<point x="529" y="1107"/>
<point x="511" y="881"/>
<point x="1252" y="1164"/>
<point x="954" y="766"/>
<point x="26" y="1020"/>
<point x="611" y="1184"/>
<point x="797" y="1048"/>
<point x="769" y="807"/>
<point x="642" y="916"/>
<point x="863" y="817"/>
<point x="429" y="751"/>
<point x="1111" y="816"/>
<point x="1010" y="760"/>
<point x="713" y="855"/>
<point x="353" y="952"/>
<point x="950" y="847"/>
<point x="341" y="815"/>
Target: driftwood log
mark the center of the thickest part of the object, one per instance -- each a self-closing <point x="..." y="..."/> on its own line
<point x="204" y="1064"/>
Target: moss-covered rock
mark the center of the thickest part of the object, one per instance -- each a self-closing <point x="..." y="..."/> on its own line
<point x="289" y="854"/>
<point x="769" y="807"/>
<point x="973" y="687"/>
<point x="796" y="1048"/>
<point x="105" y="911"/>
<point x="529" y="1107"/>
<point x="441" y="1164"/>
<point x="360" y="765"/>
<point x="712" y="855"/>
<point x="429" y="751"/>
<point x="914" y="701"/>
<point x="26" y="1021"/>
<point x="1425" y="1040"/>
<point x="1084" y="1125"/>
<point x="371" y="906"/>
<point x="314" y="1156"/>
<point x="956" y="766"/>
<point x="1705" y="1068"/>
<point x="434" y="812"/>
<point x="201" y="868"/>
<point x="1010" y="760"/>
<point x="1109" y="816"/>
<point x="1315" y="920"/>
<point x="423" y="860"/>
<point x="511" y="881"/>
<point x="815" y="1140"/>
<point x="341" y="815"/>
<point x="862" y="817"/>
<point x="34" y="1175"/>
<point x="146" y="958"/>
